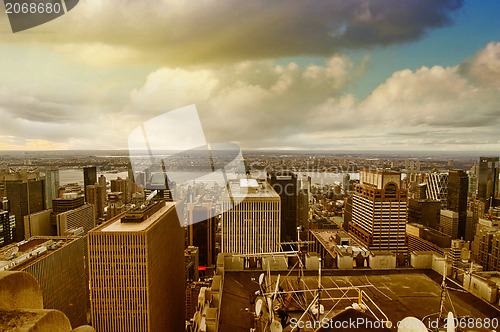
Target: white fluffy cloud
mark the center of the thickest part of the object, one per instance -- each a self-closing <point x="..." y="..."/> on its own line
<point x="262" y="105"/>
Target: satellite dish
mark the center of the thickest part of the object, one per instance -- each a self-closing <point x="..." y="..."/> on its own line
<point x="261" y="278"/>
<point x="314" y="310"/>
<point x="411" y="324"/>
<point x="276" y="326"/>
<point x="258" y="307"/>
<point x="356" y="306"/>
<point x="451" y="323"/>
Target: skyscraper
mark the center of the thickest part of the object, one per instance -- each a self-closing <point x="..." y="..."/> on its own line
<point x="122" y="185"/>
<point x="26" y="194"/>
<point x="136" y="261"/>
<point x="96" y="195"/>
<point x="379" y="211"/>
<point x="202" y="234"/>
<point x="456" y="201"/>
<point x="51" y="186"/>
<point x="487" y="177"/>
<point x="437" y="187"/>
<point x="252" y="226"/>
<point x="89" y="177"/>
<point x="285" y="185"/>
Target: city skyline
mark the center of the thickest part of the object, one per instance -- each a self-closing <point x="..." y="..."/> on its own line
<point x="379" y="75"/>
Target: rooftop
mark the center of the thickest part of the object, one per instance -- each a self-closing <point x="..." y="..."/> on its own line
<point x="17" y="256"/>
<point x="115" y="224"/>
<point x="252" y="188"/>
<point x="398" y="293"/>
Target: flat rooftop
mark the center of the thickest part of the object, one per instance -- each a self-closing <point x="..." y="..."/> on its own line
<point x="25" y="253"/>
<point x="252" y="188"/>
<point x="398" y="293"/>
<point x="115" y="224"/>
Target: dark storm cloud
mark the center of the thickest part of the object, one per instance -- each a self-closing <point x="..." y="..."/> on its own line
<point x="220" y="31"/>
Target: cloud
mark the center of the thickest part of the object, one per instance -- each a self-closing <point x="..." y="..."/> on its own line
<point x="261" y="104"/>
<point x="485" y="66"/>
<point x="179" y="33"/>
<point x="243" y="102"/>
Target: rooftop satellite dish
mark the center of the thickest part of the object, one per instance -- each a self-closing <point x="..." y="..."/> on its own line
<point x="276" y="326"/>
<point x="411" y="324"/>
<point x="258" y="307"/>
<point x="451" y="323"/>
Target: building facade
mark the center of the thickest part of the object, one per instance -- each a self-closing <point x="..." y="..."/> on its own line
<point x="89" y="177"/>
<point x="136" y="261"/>
<point x="456" y="201"/>
<point x="57" y="263"/>
<point x="51" y="186"/>
<point x="25" y="197"/>
<point x="252" y="226"/>
<point x="202" y="234"/>
<point x="379" y="211"/>
<point x="286" y="186"/>
<point x="487" y="177"/>
<point x="437" y="187"/>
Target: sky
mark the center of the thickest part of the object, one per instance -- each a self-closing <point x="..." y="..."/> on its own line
<point x="282" y="74"/>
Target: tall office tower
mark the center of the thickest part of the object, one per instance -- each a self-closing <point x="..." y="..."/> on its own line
<point x="487" y="178"/>
<point x="89" y="177"/>
<point x="51" y="186"/>
<point x="472" y="183"/>
<point x="252" y="226"/>
<point x="437" y="187"/>
<point x="285" y="185"/>
<point x="379" y="211"/>
<point x="26" y="196"/>
<point x="122" y="185"/>
<point x="424" y="212"/>
<point x="456" y="200"/>
<point x="96" y="195"/>
<point x="57" y="263"/>
<point x="136" y="261"/>
<point x="202" y="234"/>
